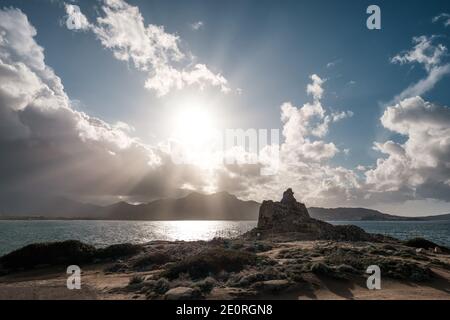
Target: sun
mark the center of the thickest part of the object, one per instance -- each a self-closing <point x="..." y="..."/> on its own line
<point x="195" y="131"/>
<point x="193" y="125"/>
<point x="194" y="122"/>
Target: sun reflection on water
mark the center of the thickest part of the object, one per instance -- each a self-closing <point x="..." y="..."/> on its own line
<point x="197" y="230"/>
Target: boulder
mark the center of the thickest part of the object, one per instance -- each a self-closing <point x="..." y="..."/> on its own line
<point x="182" y="293"/>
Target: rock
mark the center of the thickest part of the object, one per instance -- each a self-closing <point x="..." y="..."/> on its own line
<point x="350" y="233"/>
<point x="289" y="220"/>
<point x="288" y="197"/>
<point x="345" y="268"/>
<point x="281" y="215"/>
<point x="272" y="285"/>
<point x="182" y="293"/>
<point x="419" y="250"/>
<point x="437" y="250"/>
<point x="420" y="243"/>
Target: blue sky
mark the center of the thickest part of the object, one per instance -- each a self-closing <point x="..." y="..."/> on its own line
<point x="266" y="49"/>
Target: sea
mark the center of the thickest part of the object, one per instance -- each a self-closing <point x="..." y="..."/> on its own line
<point x="15" y="234"/>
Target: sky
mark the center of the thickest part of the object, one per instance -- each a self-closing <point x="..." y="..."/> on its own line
<point x="93" y="93"/>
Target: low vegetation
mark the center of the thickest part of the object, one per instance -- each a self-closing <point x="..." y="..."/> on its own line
<point x="424" y="244"/>
<point x="249" y="267"/>
<point x="63" y="253"/>
<point x="49" y="253"/>
<point x="118" y="251"/>
<point x="211" y="261"/>
<point x="151" y="260"/>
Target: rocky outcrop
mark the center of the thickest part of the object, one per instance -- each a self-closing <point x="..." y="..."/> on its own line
<point x="289" y="220"/>
<point x="284" y="215"/>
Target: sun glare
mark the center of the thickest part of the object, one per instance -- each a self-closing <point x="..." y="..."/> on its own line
<point x="195" y="129"/>
<point x="194" y="122"/>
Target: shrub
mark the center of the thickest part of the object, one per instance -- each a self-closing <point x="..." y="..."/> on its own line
<point x="152" y="259"/>
<point x="136" y="279"/>
<point x="117" y="268"/>
<point x="161" y="286"/>
<point x="320" y="268"/>
<point x="250" y="279"/>
<point x="263" y="247"/>
<point x="222" y="276"/>
<point x="49" y="253"/>
<point x="405" y="270"/>
<point x="118" y="250"/>
<point x="206" y="285"/>
<point x="391" y="267"/>
<point x="211" y="261"/>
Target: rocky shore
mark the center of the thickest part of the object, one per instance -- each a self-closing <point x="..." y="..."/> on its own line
<point x="288" y="256"/>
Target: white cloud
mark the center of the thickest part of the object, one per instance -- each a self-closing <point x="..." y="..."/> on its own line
<point x="167" y="78"/>
<point x="75" y="19"/>
<point x="430" y="56"/>
<point x="337" y="116"/>
<point x="315" y="88"/>
<point x="418" y="168"/>
<point x="303" y="160"/>
<point x="197" y="25"/>
<point x="333" y="63"/>
<point x="421" y="165"/>
<point x="120" y="125"/>
<point x="424" y="52"/>
<point x="426" y="84"/>
<point x="151" y="49"/>
<point x="444" y="17"/>
<point x="309" y="120"/>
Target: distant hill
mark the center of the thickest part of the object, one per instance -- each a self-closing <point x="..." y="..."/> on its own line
<point x="438" y="217"/>
<point x="195" y="206"/>
<point x="351" y="214"/>
<point x="364" y="214"/>
<point x="56" y="207"/>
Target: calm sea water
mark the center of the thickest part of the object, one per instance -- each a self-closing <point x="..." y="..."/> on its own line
<point x="15" y="234"/>
<point x="436" y="231"/>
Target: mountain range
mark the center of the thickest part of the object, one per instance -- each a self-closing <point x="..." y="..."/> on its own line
<point x="194" y="206"/>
